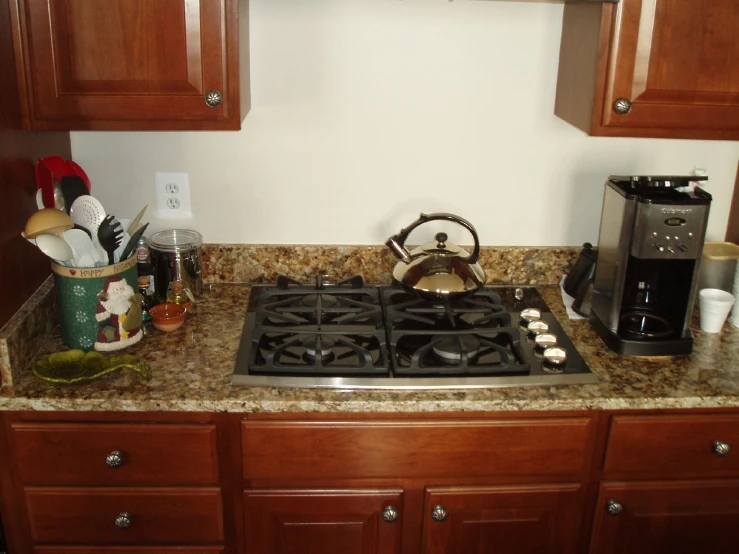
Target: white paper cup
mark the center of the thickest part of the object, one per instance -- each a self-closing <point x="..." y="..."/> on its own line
<point x="715" y="305"/>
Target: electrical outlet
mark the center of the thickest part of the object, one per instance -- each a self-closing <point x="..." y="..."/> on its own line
<point x="173" y="195"/>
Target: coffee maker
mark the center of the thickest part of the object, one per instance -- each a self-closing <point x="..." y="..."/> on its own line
<point x="651" y="237"/>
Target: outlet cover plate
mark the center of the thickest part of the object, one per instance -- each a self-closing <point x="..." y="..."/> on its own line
<point x="173" y="195"/>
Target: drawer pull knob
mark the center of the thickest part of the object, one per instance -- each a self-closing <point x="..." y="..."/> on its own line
<point x="390" y="514"/>
<point x="622" y="106"/>
<point x="114" y="459"/>
<point x="213" y="98"/>
<point x="439" y="513"/>
<point x="123" y="520"/>
<point x="721" y="448"/>
<point x="614" y="507"/>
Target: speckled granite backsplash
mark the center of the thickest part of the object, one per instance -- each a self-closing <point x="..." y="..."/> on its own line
<point x="246" y="263"/>
<point x="23" y="337"/>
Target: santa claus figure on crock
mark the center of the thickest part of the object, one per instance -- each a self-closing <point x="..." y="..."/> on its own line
<point x="118" y="315"/>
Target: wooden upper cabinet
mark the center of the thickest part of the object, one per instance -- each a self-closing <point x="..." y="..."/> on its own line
<point x="133" y="64"/>
<point x="651" y="68"/>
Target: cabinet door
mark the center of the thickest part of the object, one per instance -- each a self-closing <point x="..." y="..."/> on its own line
<point x="677" y="64"/>
<point x="678" y="517"/>
<point x="523" y="519"/>
<point x="356" y="521"/>
<point x="129" y="64"/>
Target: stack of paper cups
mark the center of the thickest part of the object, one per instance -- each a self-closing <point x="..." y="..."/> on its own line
<point x="734" y="317"/>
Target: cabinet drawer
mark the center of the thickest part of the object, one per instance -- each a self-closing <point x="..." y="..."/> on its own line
<point x="66" y="515"/>
<point x="683" y="444"/>
<point x="128" y="550"/>
<point x="77" y="453"/>
<point x="427" y="448"/>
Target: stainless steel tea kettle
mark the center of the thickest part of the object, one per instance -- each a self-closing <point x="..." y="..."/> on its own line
<point x="437" y="269"/>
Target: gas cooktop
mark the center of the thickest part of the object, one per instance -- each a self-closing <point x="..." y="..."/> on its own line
<point x="350" y="335"/>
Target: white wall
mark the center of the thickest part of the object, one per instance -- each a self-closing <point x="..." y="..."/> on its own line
<point x="366" y="112"/>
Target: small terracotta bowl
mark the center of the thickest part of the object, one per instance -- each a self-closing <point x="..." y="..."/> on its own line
<point x="168" y="317"/>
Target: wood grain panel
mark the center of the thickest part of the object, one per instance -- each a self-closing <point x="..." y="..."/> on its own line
<point x="75" y="453"/>
<point x="24" y="267"/>
<point x="676" y="62"/>
<point x="433" y="448"/>
<point x="672" y="517"/>
<point x="64" y="515"/>
<point x="322" y="521"/>
<point x="131" y="64"/>
<point x="129" y="550"/>
<point x="672" y="445"/>
<point x="505" y="520"/>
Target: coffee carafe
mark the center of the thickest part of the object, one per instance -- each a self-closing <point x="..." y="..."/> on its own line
<point x="651" y="238"/>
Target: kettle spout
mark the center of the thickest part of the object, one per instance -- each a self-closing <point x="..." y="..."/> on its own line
<point x="396" y="245"/>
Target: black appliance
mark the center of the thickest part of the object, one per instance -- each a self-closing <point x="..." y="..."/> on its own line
<point x="353" y="335"/>
<point x="651" y="238"/>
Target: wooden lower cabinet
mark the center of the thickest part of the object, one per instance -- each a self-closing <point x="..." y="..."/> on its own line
<point x="351" y="521"/>
<point x="516" y="483"/>
<point x="520" y="519"/>
<point x="668" y="517"/>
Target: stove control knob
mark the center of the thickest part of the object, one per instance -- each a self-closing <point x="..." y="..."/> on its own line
<point x="546" y="340"/>
<point x="659" y="246"/>
<point x="538" y="327"/>
<point x="682" y="247"/>
<point x="530" y="314"/>
<point x="555" y="355"/>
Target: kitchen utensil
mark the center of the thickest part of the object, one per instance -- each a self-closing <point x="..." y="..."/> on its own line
<point x="110" y="234"/>
<point x="55" y="247"/>
<point x="48" y="220"/>
<point x="134" y="225"/>
<point x="132" y="241"/>
<point x="119" y="251"/>
<point x="49" y="173"/>
<point x="32" y="241"/>
<point x="72" y="187"/>
<point x="86" y="255"/>
<point x="437" y="269"/>
<point x="88" y="212"/>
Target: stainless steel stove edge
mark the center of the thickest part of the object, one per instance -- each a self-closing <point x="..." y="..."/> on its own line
<point x="416" y="383"/>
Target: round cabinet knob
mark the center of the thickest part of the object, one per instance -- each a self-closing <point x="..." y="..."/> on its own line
<point x="114" y="459"/>
<point x="390" y="514"/>
<point x="439" y="513"/>
<point x="614" y="507"/>
<point x="123" y="520"/>
<point x="213" y="98"/>
<point x="622" y="106"/>
<point x="721" y="448"/>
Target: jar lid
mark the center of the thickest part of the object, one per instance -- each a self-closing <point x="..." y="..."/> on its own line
<point x="175" y="240"/>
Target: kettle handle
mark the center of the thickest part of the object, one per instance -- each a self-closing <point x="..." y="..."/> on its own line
<point x="396" y="243"/>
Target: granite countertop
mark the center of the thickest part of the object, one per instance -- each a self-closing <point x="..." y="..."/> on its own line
<point x="192" y="370"/>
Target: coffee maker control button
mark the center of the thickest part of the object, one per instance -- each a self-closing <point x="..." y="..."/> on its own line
<point x="659" y="247"/>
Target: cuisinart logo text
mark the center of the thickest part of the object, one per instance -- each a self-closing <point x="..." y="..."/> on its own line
<point x="676" y="210"/>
